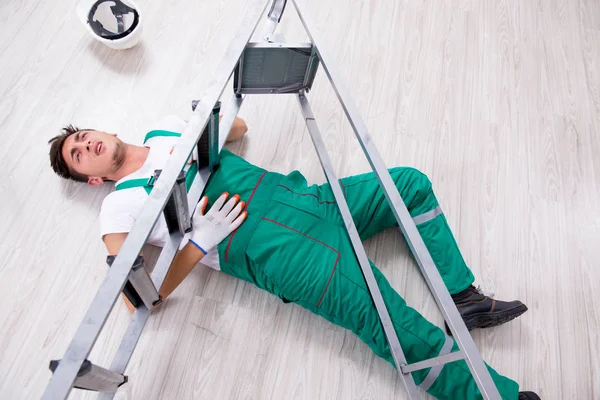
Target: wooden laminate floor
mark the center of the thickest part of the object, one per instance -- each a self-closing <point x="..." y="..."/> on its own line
<point x="498" y="102"/>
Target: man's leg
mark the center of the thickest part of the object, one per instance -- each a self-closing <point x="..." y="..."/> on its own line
<point x="372" y="214"/>
<point x="347" y="303"/>
<point x="306" y="259"/>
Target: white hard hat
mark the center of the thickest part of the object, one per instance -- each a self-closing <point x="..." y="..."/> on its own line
<point x="116" y="23"/>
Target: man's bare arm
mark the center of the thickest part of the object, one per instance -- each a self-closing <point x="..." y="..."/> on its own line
<point x="207" y="233"/>
<point x="183" y="263"/>
<point x="238" y="129"/>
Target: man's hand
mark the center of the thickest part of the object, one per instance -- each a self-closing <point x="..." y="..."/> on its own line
<point x="208" y="231"/>
<point x="222" y="219"/>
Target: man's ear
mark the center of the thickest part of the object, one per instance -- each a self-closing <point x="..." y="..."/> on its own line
<point x="95" y="181"/>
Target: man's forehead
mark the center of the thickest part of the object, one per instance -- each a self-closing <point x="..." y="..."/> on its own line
<point x="66" y="149"/>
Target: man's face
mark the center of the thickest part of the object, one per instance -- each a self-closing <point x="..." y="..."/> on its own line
<point x="94" y="154"/>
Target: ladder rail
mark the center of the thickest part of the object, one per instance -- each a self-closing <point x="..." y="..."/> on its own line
<point x="141" y="315"/>
<point x="414" y="240"/>
<point x="273" y="18"/>
<point x="361" y="255"/>
<point x="61" y="382"/>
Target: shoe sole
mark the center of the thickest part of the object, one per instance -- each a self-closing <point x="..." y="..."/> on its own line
<point x="489" y="320"/>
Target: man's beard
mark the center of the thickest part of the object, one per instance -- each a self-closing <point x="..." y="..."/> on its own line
<point x="118" y="156"/>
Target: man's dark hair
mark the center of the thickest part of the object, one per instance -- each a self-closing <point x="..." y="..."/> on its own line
<point x="57" y="161"/>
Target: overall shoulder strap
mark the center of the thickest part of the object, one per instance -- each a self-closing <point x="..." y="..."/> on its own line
<point x="148" y="184"/>
<point x="163" y="133"/>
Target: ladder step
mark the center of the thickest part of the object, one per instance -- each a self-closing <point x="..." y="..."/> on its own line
<point x="266" y="68"/>
<point x="213" y="138"/>
<point x="143" y="285"/>
<point x="95" y="378"/>
<point x="177" y="213"/>
<point x="139" y="288"/>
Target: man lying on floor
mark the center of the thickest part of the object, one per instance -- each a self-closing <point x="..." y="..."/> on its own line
<point x="288" y="238"/>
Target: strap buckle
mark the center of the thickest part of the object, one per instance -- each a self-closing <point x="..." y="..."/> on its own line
<point x="153" y="178"/>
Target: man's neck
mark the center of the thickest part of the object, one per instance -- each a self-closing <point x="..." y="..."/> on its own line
<point x="135" y="157"/>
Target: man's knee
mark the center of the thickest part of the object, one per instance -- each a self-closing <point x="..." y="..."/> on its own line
<point x="411" y="177"/>
<point x="414" y="186"/>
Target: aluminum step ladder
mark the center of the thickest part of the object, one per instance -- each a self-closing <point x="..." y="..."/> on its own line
<point x="267" y="67"/>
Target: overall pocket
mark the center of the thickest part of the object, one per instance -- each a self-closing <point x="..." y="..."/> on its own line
<point x="297" y="252"/>
<point x="316" y="200"/>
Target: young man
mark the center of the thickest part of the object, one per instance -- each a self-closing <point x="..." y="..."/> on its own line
<point x="288" y="238"/>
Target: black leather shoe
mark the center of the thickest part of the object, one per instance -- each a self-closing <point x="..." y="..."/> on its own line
<point x="528" y="396"/>
<point x="479" y="310"/>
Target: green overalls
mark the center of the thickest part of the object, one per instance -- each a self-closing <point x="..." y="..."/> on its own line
<point x="294" y="245"/>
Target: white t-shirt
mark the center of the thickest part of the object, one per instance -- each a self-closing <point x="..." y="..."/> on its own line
<point x="121" y="208"/>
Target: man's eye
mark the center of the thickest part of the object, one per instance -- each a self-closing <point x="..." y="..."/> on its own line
<point x="78" y="154"/>
<point x="84" y="135"/>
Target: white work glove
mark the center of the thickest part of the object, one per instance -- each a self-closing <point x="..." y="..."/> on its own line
<point x="222" y="219"/>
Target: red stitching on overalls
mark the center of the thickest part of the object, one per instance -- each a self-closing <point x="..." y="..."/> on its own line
<point x="307" y="194"/>
<point x="245" y="208"/>
<point x="329" y="281"/>
<point x="318" y="241"/>
<point x="343" y="188"/>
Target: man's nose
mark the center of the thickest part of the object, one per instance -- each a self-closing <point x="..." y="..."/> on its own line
<point x="84" y="145"/>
